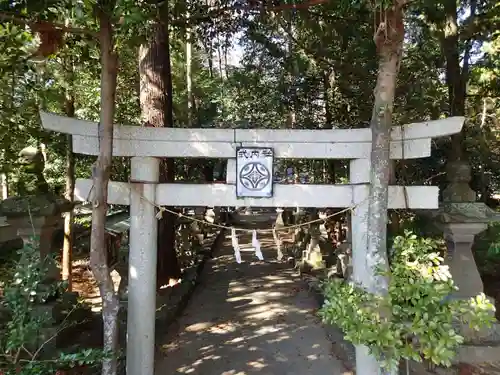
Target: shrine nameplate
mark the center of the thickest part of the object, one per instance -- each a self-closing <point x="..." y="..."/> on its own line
<point x="254" y="172"/>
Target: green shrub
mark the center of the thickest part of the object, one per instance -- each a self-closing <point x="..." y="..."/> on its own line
<point x="23" y="325"/>
<point x="487" y="250"/>
<point x="416" y="319"/>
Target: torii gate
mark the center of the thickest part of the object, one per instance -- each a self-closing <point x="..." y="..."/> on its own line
<point x="146" y="144"/>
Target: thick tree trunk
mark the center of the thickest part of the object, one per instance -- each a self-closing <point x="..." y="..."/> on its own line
<point x="156" y="110"/>
<point x="69" y="109"/>
<point x="456" y="76"/>
<point x="456" y="89"/>
<point x="110" y="303"/>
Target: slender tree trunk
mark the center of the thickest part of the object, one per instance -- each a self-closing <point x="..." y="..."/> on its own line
<point x="225" y="58"/>
<point x="189" y="81"/>
<point x="328" y="98"/>
<point x="390" y="44"/>
<point x="389" y="40"/>
<point x="101" y="170"/>
<point x="208" y="168"/>
<point x="5" y="185"/>
<point x="219" y="55"/>
<point x="156" y="110"/>
<point x="291" y="77"/>
<point x="189" y="84"/>
<point x="210" y="57"/>
<point x="69" y="109"/>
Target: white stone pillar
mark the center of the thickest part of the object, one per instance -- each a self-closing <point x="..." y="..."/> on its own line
<point x="359" y="173"/>
<point x="142" y="267"/>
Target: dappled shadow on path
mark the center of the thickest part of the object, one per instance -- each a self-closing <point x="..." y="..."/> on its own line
<point x="249" y="318"/>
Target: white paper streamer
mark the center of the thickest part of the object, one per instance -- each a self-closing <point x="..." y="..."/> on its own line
<point x="236" y="246"/>
<point x="256" y="245"/>
<point x="278" y="244"/>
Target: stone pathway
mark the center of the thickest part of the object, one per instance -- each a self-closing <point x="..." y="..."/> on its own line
<point x="249" y="318"/>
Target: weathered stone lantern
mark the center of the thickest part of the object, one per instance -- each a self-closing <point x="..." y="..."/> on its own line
<point x="36" y="217"/>
<point x="37" y="213"/>
<point x="461" y="218"/>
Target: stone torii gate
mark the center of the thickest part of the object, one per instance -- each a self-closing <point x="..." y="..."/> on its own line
<point x="146" y="145"/>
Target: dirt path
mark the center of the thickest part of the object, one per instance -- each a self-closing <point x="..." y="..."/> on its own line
<point x="249" y="318"/>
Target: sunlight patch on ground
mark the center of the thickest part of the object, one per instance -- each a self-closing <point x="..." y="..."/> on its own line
<point x="278" y="339"/>
<point x="202" y="326"/>
<point x="223" y="328"/>
<point x="267" y="330"/>
<point x="236" y="340"/>
<point x="258" y="364"/>
<point x="263" y="311"/>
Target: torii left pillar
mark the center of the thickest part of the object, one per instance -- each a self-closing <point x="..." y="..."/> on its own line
<point x="142" y="267"/>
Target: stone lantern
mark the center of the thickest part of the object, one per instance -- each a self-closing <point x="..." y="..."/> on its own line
<point x="35" y="218"/>
<point x="461" y="219"/>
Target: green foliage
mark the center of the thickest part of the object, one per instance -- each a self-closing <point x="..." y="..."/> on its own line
<point x="487" y="250"/>
<point x="493" y="234"/>
<point x="417" y="319"/>
<point x="23" y="322"/>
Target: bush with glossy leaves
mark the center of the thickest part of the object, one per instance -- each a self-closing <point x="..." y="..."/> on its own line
<point x="417" y="318"/>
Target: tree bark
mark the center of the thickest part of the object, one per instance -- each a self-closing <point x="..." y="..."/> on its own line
<point x="100" y="174"/>
<point x="456" y="88"/>
<point x="189" y="63"/>
<point x="157" y="110"/>
<point x="328" y="78"/>
<point x="69" y="109"/>
<point x="390" y="44"/>
<point x="5" y="185"/>
<point x="456" y="76"/>
<point x="291" y="78"/>
<point x="389" y="40"/>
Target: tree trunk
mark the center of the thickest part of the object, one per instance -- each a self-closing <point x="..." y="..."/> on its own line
<point x="328" y="99"/>
<point x="456" y="76"/>
<point x="389" y="43"/>
<point x="291" y="75"/>
<point x="5" y="185"/>
<point x="210" y="57"/>
<point x="69" y="109"/>
<point x="189" y="80"/>
<point x="156" y="110"/>
<point x="219" y="60"/>
<point x="225" y="57"/>
<point x="101" y="170"/>
<point x="389" y="40"/>
<point x="206" y="163"/>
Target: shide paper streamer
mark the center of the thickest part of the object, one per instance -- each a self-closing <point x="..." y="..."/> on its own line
<point x="236" y="246"/>
<point x="256" y="245"/>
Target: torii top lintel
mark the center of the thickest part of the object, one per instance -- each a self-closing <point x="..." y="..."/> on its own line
<point x="222" y="143"/>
